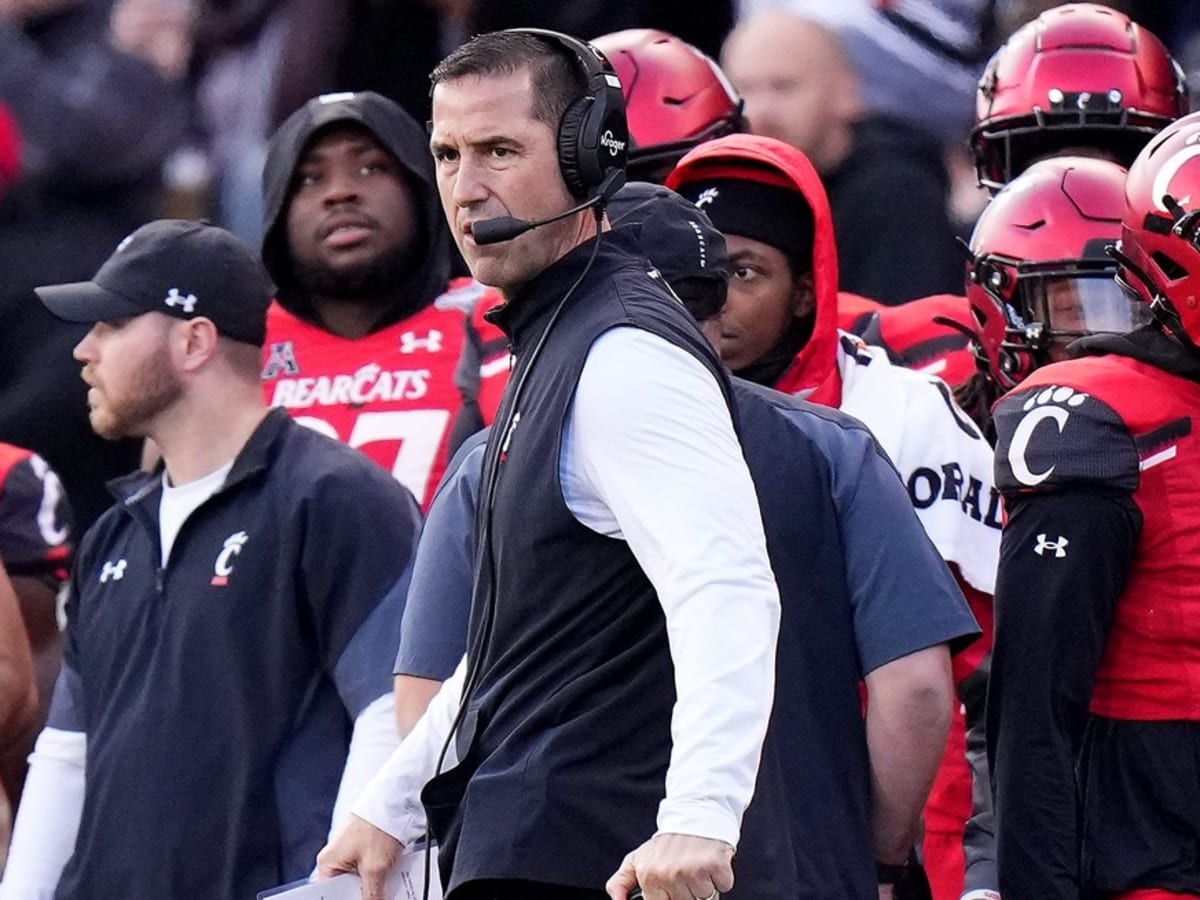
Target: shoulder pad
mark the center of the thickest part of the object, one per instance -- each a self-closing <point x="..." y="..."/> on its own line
<point x="1051" y="436"/>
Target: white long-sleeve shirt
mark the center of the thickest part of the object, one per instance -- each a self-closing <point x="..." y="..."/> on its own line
<point x="650" y="457"/>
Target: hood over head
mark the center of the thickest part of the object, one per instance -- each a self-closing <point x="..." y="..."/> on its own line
<point x="773" y="167"/>
<point x="401" y="136"/>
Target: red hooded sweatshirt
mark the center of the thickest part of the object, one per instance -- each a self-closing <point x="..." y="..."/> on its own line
<point x="813" y="373"/>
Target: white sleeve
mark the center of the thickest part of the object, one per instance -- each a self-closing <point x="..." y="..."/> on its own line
<point x="374" y="740"/>
<point x="48" y="821"/>
<point x="392" y="799"/>
<point x="651" y="455"/>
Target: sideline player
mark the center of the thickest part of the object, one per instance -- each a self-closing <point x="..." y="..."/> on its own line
<point x="1040" y="276"/>
<point x="779" y="329"/>
<point x="365" y="335"/>
<point x="1092" y="708"/>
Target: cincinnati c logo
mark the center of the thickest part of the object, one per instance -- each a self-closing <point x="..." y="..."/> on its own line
<point x="223" y="567"/>
<point x="1171" y="168"/>
<point x="1047" y="404"/>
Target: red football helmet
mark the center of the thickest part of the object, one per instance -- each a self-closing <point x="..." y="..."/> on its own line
<point x="1041" y="274"/>
<point x="1078" y="76"/>
<point x="1160" y="232"/>
<point x="675" y="98"/>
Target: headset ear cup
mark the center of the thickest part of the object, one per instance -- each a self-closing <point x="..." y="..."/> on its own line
<point x="571" y="155"/>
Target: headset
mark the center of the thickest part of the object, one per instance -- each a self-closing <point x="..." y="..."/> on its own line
<point x="593" y="139"/>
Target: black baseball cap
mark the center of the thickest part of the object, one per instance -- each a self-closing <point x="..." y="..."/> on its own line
<point x="179" y="268"/>
<point x="680" y="241"/>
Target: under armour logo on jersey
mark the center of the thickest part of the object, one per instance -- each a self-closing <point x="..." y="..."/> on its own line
<point x="707" y="196"/>
<point x="1057" y="546"/>
<point x="174" y="298"/>
<point x="112" y="571"/>
<point x="223" y="567"/>
<point x="410" y="343"/>
<point x="281" y="360"/>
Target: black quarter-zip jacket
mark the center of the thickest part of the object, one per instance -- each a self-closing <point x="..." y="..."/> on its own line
<point x="218" y="692"/>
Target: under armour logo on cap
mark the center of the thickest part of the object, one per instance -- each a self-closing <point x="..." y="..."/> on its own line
<point x="174" y="298"/>
<point x="143" y="274"/>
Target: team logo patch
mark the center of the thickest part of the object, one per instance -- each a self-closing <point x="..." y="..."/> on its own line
<point x="281" y="360"/>
<point x="174" y="298"/>
<point x="1053" y="404"/>
<point x="1056" y="547"/>
<point x="112" y="571"/>
<point x="707" y="196"/>
<point x="223" y="567"/>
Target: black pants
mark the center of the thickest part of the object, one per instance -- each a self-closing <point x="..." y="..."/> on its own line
<point x="1140" y="790"/>
<point x="524" y="890"/>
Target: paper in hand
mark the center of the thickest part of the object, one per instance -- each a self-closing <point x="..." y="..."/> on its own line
<point x="406" y="882"/>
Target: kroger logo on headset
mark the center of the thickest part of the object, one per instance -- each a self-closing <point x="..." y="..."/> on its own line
<point x="614" y="146"/>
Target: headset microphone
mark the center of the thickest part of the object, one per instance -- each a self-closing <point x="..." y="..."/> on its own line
<point x="506" y="228"/>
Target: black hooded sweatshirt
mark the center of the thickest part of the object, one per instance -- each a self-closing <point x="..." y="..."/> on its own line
<point x="401" y="136"/>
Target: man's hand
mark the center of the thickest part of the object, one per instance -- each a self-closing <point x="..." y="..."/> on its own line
<point x="675" y="867"/>
<point x="887" y="891"/>
<point x="362" y="848"/>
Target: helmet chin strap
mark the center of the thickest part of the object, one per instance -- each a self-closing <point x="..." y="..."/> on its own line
<point x="1187" y="224"/>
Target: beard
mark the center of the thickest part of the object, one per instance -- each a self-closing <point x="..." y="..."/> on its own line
<point x="128" y="411"/>
<point x="378" y="277"/>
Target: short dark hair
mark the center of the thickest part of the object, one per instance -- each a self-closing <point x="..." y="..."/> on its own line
<point x="556" y="76"/>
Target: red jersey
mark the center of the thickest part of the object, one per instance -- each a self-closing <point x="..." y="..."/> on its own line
<point x="392" y="393"/>
<point x="1121" y="424"/>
